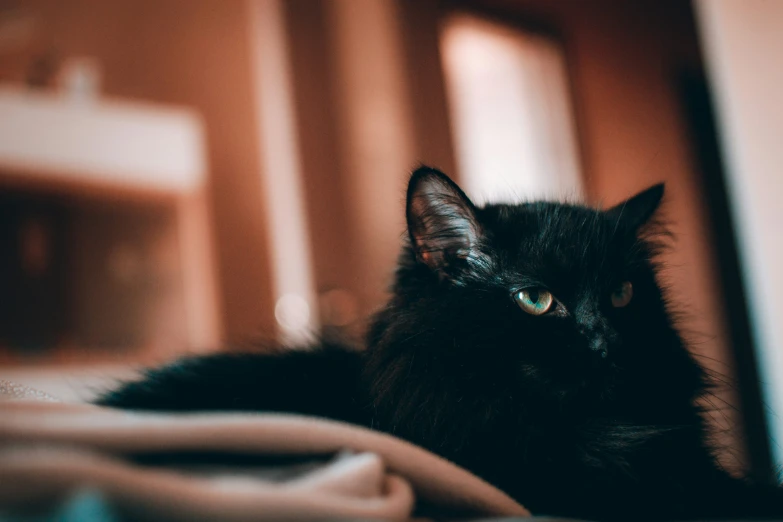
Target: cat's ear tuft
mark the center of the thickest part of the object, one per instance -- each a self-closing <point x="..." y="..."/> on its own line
<point x="637" y="210"/>
<point x="441" y="220"/>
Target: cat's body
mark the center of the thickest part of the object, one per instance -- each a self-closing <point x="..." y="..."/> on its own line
<point x="529" y="344"/>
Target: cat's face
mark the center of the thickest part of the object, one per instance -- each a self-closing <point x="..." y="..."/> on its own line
<point x="517" y="308"/>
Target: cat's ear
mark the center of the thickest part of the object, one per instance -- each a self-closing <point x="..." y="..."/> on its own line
<point x="637" y="210"/>
<point x="442" y="220"/>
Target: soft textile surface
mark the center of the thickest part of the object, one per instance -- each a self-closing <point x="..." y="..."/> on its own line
<point x="14" y="391"/>
<point x="50" y="449"/>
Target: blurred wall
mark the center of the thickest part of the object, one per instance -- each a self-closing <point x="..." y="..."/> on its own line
<point x="743" y="40"/>
<point x="371" y="105"/>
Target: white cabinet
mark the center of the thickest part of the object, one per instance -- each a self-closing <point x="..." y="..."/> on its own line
<point x="105" y="232"/>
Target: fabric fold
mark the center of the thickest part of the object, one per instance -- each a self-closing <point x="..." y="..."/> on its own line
<point x="49" y="449"/>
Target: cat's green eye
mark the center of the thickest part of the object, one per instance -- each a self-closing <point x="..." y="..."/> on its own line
<point x="622" y="295"/>
<point x="535" y="301"/>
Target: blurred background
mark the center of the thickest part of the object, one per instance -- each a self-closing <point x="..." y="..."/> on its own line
<point x="182" y="176"/>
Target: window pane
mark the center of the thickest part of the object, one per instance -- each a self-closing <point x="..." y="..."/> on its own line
<point x="510" y="110"/>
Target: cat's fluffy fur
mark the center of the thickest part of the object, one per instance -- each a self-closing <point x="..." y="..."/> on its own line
<point x="586" y="411"/>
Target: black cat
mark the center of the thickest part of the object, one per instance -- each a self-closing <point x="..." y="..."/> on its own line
<point x="528" y="343"/>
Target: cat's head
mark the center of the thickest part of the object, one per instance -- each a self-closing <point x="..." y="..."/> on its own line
<point x="503" y="313"/>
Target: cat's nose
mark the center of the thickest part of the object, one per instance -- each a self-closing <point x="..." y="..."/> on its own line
<point x="599" y="345"/>
<point x="596" y="330"/>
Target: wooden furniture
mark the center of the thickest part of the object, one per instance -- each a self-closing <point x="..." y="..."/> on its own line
<point x="107" y="246"/>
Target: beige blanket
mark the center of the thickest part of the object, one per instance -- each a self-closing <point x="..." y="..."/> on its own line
<point x="48" y="449"/>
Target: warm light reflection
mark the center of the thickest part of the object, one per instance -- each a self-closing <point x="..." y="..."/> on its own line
<point x="512" y="119"/>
